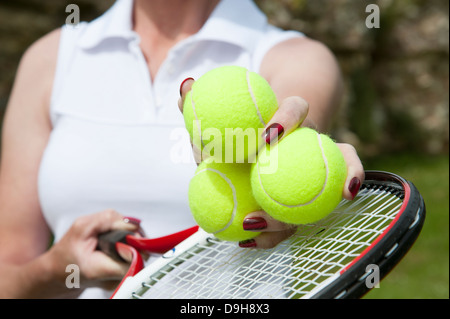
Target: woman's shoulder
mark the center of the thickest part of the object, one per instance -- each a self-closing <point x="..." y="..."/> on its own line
<point x="44" y="51"/>
<point x="40" y="58"/>
<point x="35" y="73"/>
<point x="298" y="54"/>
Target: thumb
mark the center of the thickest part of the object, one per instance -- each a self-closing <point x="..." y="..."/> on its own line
<point x="185" y="87"/>
<point x="290" y="115"/>
<point x="108" y="220"/>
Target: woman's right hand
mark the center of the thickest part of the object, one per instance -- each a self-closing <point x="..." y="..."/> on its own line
<point x="79" y="246"/>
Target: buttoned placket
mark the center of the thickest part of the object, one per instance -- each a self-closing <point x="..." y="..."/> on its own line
<point x="166" y="74"/>
<point x="163" y="77"/>
<point x="147" y="87"/>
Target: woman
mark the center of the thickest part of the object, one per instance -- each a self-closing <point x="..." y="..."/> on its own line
<point x="92" y="132"/>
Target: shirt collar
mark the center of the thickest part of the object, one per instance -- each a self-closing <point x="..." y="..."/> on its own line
<point x="114" y="23"/>
<point x="238" y="22"/>
<point x="233" y="21"/>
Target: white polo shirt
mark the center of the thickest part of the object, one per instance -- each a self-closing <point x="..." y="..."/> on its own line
<point x="118" y="138"/>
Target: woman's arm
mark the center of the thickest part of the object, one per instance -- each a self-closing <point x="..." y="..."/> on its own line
<point x="26" y="129"/>
<point x="305" y="68"/>
<point x="306" y="78"/>
<point x="27" y="267"/>
<point x="307" y="81"/>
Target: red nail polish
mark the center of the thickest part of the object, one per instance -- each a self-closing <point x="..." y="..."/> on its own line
<point x="354" y="186"/>
<point x="132" y="220"/>
<point x="256" y="223"/>
<point x="273" y="133"/>
<point x="181" y="85"/>
<point x="250" y="243"/>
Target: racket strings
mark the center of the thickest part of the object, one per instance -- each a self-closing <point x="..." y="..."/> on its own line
<point x="219" y="269"/>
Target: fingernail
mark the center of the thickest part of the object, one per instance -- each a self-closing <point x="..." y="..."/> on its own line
<point x="181" y="85"/>
<point x="273" y="132"/>
<point x="256" y="223"/>
<point x="354" y="186"/>
<point x="249" y="243"/>
<point x="132" y="220"/>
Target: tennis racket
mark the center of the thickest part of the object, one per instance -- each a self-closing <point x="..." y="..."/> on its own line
<point x="341" y="256"/>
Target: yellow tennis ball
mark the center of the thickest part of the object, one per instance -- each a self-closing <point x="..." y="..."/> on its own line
<point x="220" y="197"/>
<point x="225" y="110"/>
<point x="299" y="180"/>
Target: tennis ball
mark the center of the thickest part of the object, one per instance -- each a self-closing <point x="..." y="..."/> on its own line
<point x="224" y="110"/>
<point x="300" y="179"/>
<point x="220" y="197"/>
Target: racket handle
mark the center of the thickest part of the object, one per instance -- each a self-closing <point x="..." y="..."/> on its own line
<point x="107" y="242"/>
<point x="160" y="245"/>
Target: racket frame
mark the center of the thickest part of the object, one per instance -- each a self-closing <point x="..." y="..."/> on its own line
<point x="388" y="248"/>
<point x="385" y="252"/>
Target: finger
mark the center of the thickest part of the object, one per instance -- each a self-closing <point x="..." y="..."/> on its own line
<point x="268" y="240"/>
<point x="140" y="233"/>
<point x="112" y="220"/>
<point x="185" y="87"/>
<point x="262" y="222"/>
<point x="102" y="266"/>
<point x="355" y="171"/>
<point x="137" y="222"/>
<point x="290" y="115"/>
<point x="198" y="156"/>
<point x="101" y="222"/>
<point x="272" y="231"/>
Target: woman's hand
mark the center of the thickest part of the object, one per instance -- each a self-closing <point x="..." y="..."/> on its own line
<point x="291" y="114"/>
<point x="79" y="246"/>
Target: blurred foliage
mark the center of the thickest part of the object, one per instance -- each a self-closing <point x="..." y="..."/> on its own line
<point x="396" y="76"/>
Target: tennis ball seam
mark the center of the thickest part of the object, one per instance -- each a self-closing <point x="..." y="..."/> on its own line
<point x="318" y="194"/>
<point x="233" y="191"/>
<point x="252" y="95"/>
<point x="196" y="118"/>
<point x="255" y="104"/>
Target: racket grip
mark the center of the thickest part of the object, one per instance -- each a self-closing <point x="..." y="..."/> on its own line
<point x="107" y="242"/>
